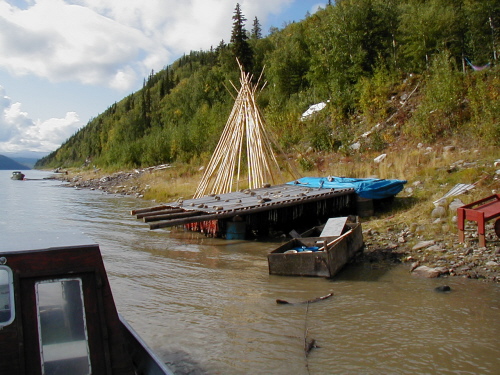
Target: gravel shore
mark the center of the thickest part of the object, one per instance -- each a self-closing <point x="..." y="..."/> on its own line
<point x="443" y="256"/>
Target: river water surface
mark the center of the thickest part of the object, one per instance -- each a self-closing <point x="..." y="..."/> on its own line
<point x="208" y="306"/>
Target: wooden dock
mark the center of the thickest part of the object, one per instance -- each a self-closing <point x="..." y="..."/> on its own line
<point x="279" y="207"/>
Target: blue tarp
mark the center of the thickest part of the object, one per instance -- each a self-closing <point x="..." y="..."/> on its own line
<point x="370" y="188"/>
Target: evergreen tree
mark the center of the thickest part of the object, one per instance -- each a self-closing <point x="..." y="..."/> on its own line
<point x="239" y="39"/>
<point x="145" y="108"/>
<point x="256" y="30"/>
<point x="426" y="30"/>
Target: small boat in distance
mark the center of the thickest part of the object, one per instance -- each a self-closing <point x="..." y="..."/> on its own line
<point x="322" y="256"/>
<point x="17" y="175"/>
<point x="57" y="313"/>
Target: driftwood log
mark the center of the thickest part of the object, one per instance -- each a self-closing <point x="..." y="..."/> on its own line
<point x="283" y="302"/>
<point x="310" y="345"/>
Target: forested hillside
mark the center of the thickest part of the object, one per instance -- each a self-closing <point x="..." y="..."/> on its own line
<point x="420" y="70"/>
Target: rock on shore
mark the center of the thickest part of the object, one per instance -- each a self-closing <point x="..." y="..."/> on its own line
<point x="124" y="183"/>
<point x="441" y="257"/>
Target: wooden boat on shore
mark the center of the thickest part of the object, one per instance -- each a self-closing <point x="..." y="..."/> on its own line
<point x="316" y="256"/>
<point x="57" y="313"/>
<point x="17" y="175"/>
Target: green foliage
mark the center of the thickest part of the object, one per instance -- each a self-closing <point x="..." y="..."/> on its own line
<point x="426" y="28"/>
<point x="483" y="33"/>
<point x="256" y="29"/>
<point x="440" y="112"/>
<point x="289" y="62"/>
<point x="374" y="94"/>
<point x="305" y="164"/>
<point x="377" y="141"/>
<point x="348" y="38"/>
<point x="320" y="137"/>
<point x="353" y="53"/>
<point x="483" y="91"/>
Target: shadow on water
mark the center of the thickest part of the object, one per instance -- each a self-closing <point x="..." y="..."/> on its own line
<point x="181" y="363"/>
<point x="370" y="266"/>
<point x="364" y="271"/>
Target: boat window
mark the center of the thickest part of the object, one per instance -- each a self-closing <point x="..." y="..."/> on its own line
<point x="7" y="313"/>
<point x="61" y="326"/>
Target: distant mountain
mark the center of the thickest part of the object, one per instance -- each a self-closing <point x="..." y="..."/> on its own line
<point x="8" y="163"/>
<point x="27" y="162"/>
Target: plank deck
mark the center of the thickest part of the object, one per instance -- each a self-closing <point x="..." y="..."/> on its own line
<point x="226" y="206"/>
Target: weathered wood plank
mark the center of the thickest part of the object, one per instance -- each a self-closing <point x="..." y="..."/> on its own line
<point x="334" y="227"/>
<point x="149" y="209"/>
<point x="171" y="216"/>
<point x="162" y="212"/>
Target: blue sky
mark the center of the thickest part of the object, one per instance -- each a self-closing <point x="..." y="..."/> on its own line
<point x="63" y="62"/>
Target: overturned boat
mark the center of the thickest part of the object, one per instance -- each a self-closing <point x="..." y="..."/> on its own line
<point x="322" y="256"/>
<point x="57" y="313"/>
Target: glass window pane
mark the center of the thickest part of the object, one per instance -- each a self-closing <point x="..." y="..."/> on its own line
<point x="6" y="296"/>
<point x="62" y="328"/>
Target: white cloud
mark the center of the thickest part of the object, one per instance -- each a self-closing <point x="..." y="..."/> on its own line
<point x="113" y="42"/>
<point x="19" y="132"/>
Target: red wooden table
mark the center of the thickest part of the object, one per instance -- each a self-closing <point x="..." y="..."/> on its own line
<point x="480" y="211"/>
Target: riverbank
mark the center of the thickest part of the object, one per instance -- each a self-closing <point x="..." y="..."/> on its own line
<point x="419" y="228"/>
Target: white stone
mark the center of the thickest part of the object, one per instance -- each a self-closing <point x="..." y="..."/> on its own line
<point x="379" y="158"/>
<point x="423" y="244"/>
<point x="425" y="271"/>
<point x="355" y="146"/>
<point x="439" y="211"/>
<point x="455" y="204"/>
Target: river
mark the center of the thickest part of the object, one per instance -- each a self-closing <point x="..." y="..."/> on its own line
<point x="208" y="306"/>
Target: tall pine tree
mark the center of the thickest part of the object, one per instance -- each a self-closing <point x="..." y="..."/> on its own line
<point x="256" y="30"/>
<point x="239" y="40"/>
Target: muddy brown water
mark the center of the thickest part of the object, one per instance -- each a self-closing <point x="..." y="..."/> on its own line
<point x="208" y="306"/>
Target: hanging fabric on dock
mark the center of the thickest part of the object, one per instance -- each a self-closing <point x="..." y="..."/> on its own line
<point x="209" y="227"/>
<point x="369" y="188"/>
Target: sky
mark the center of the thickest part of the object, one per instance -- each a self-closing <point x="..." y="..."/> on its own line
<point x="63" y="62"/>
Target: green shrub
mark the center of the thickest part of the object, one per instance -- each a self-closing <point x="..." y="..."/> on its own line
<point x="440" y="112"/>
<point x="484" y="101"/>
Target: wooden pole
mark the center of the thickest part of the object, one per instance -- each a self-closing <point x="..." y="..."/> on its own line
<point x="171" y="216"/>
<point x="159" y="212"/>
